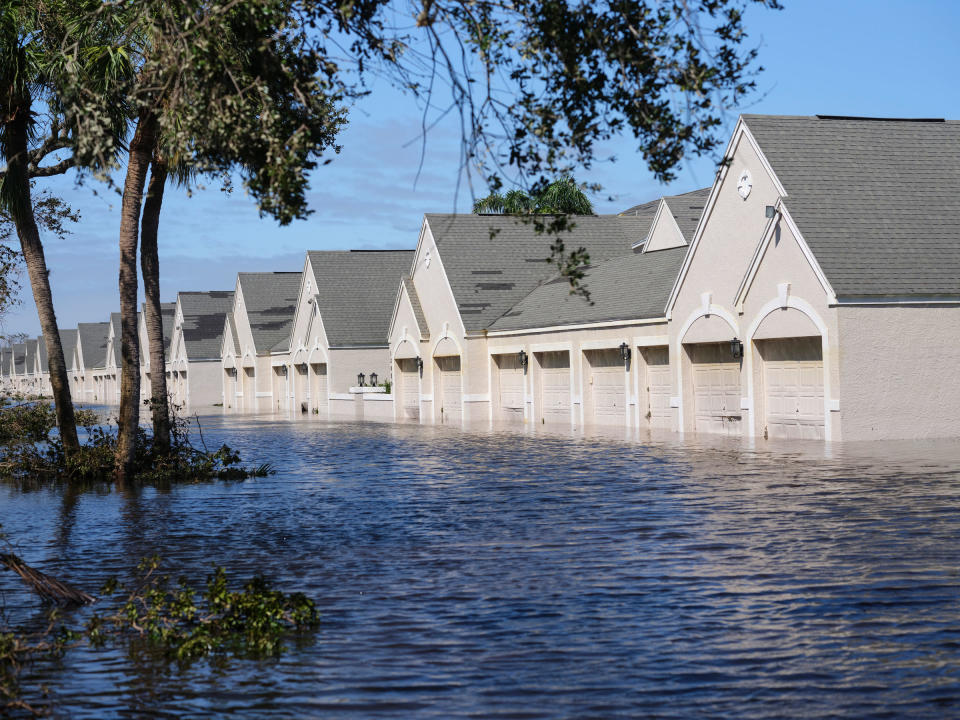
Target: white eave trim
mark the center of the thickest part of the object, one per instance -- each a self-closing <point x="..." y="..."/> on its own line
<point x="898" y="300"/>
<point x="582" y="326"/>
<point x="808" y="254"/>
<point x="359" y="347"/>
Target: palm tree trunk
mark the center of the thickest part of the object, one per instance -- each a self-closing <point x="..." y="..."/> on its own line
<point x="141" y="150"/>
<point x="150" y="267"/>
<point x="17" y="192"/>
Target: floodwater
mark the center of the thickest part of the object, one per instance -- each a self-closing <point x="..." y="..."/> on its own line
<point x="518" y="574"/>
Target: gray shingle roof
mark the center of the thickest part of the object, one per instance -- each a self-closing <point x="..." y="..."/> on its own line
<point x="270" y="299"/>
<point x="878" y="201"/>
<point x="489" y="276"/>
<point x="68" y="341"/>
<point x="117" y="343"/>
<point x="168" y="313"/>
<point x="644" y="210"/>
<point x="203" y="319"/>
<point x="93" y="343"/>
<point x="356" y="291"/>
<point x="115" y="323"/>
<point x="417" y="308"/>
<point x="632" y="287"/>
<point x="687" y="209"/>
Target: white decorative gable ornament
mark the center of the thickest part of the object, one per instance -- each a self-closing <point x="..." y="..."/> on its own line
<point x="745" y="184"/>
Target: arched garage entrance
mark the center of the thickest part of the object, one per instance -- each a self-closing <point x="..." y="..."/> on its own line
<point x="790" y="376"/>
<point x="317" y="380"/>
<point x="448" y="384"/>
<point x="712" y="374"/>
<point x="406" y="379"/>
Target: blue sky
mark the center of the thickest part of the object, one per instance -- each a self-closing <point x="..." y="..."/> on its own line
<point x="876" y="58"/>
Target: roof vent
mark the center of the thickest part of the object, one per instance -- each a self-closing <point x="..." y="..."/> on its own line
<point x="879" y="119"/>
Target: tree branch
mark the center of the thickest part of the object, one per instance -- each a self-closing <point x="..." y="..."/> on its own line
<point x="57" y="169"/>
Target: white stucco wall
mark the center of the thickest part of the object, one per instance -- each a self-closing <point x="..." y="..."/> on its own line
<point x="665" y="232"/>
<point x="205" y="387"/>
<point x="346" y="363"/>
<point x="898" y="372"/>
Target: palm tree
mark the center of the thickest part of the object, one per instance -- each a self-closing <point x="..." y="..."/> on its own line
<point x="564" y="197"/>
<point x="161" y="169"/>
<point x="561" y="197"/>
<point x="141" y="149"/>
<point x="23" y="81"/>
<point x="150" y="267"/>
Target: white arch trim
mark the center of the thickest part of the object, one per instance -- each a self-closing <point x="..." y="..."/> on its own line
<point x="404" y="339"/>
<point x="322" y="354"/>
<point x="446" y="336"/>
<point x="807" y="309"/>
<point x="706" y="311"/>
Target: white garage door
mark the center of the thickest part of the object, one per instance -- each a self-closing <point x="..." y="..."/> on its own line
<point x="608" y="386"/>
<point x="318" y="386"/>
<point x="279" y="388"/>
<point x="658" y="411"/>
<point x="450" y="388"/>
<point x="300" y="388"/>
<point x="716" y="389"/>
<point x="555" y="386"/>
<point x="510" y="374"/>
<point x="793" y="383"/>
<point x="409" y="377"/>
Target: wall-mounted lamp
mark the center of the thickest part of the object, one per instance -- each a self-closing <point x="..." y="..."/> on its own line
<point x="624" y="352"/>
<point x="420" y="366"/>
<point x="373" y="379"/>
<point x="736" y="348"/>
<point x="522" y="359"/>
<point x="770" y="211"/>
<point x="360" y="379"/>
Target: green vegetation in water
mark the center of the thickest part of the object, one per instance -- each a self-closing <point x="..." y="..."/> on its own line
<point x="170" y="622"/>
<point x="184" y="623"/>
<point x="31" y="454"/>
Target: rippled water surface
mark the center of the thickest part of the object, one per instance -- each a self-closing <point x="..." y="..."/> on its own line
<point x="496" y="574"/>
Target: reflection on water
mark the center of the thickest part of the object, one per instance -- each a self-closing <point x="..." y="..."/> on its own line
<point x="530" y="574"/>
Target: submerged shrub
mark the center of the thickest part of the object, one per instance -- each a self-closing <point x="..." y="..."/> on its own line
<point x="161" y="621"/>
<point x="32" y="455"/>
<point x="183" y="623"/>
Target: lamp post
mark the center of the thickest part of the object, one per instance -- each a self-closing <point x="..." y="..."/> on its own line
<point x="625" y="352"/>
<point x="360" y="380"/>
<point x="373" y="379"/>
